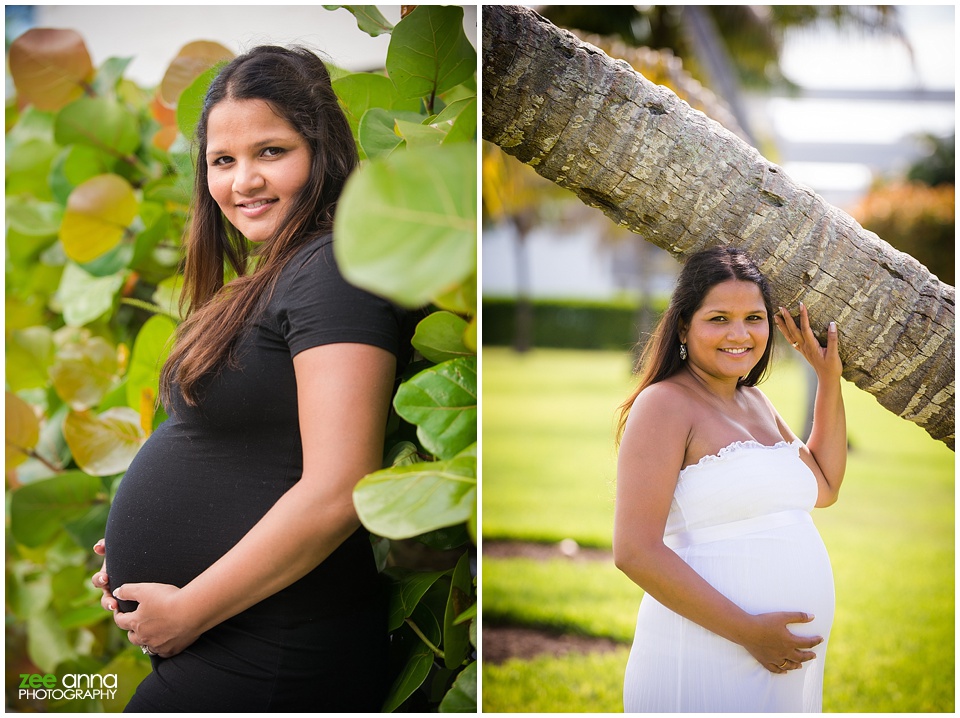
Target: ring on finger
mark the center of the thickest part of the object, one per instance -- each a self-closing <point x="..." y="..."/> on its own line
<point x="795" y="345"/>
<point x="150" y="652"/>
<point x="781" y="666"/>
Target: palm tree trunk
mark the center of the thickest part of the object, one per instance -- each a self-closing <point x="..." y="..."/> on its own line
<point x="667" y="172"/>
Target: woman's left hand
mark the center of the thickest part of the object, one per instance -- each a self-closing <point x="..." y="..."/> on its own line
<point x="159" y="623"/>
<point x="824" y="360"/>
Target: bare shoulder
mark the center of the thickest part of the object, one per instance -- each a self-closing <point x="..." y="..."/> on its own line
<point x="663" y="410"/>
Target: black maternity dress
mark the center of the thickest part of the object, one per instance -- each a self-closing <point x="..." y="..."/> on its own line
<point x="210" y="472"/>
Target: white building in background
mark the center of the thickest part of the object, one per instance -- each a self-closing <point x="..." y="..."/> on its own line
<point x="864" y="105"/>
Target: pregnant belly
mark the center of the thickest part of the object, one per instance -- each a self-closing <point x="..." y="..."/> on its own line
<point x="782" y="569"/>
<point x="179" y="508"/>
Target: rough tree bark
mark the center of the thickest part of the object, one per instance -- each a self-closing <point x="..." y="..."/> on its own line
<point x="667" y="172"/>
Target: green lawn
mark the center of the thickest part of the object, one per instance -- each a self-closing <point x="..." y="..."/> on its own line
<point x="549" y="468"/>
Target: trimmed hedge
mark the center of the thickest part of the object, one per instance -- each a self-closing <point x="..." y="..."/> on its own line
<point x="566" y="324"/>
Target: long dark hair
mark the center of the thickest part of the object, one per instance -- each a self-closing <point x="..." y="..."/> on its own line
<point x="296" y="85"/>
<point x="701" y="272"/>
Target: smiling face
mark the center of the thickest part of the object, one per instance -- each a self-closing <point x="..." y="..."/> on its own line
<point x="728" y="333"/>
<point x="256" y="164"/>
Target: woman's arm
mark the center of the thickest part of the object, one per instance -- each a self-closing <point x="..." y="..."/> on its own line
<point x="651" y="454"/>
<point x="343" y="392"/>
<point x="826" y="450"/>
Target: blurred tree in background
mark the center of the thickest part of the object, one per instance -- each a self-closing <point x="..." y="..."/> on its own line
<point x="916" y="214"/>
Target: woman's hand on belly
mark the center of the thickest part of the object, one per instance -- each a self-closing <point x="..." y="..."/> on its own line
<point x="161" y="622"/>
<point x="774" y="646"/>
<point x="102" y="580"/>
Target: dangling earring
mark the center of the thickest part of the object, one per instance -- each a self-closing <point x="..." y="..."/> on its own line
<point x="683" y="352"/>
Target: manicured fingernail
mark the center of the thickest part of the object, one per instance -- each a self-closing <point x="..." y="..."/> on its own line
<point x="116" y="592"/>
<point x="833" y="326"/>
<point x="101" y="579"/>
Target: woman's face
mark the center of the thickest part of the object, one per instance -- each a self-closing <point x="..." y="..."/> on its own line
<point x="256" y="164"/>
<point x="728" y="334"/>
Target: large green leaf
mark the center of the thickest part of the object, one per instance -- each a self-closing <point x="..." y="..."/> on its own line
<point x="377" y="130"/>
<point x="39" y="510"/>
<point x="439" y="337"/>
<point x="360" y="91"/>
<point x="29" y="356"/>
<point x="103" y="445"/>
<point x="429" y="53"/>
<point x="462" y="696"/>
<point x="98" y="214"/>
<point x="442" y="402"/>
<point x="456" y="636"/>
<point x="190" y="104"/>
<point x="369" y="18"/>
<point x="98" y="122"/>
<point x="33" y="218"/>
<point x="84" y="371"/>
<point x="406" y="225"/>
<point x="409" y="587"/>
<point x="47" y="643"/>
<point x="28" y="165"/>
<point x="414" y="673"/>
<point x="22" y="429"/>
<point x="406" y="501"/>
<point x="83" y="297"/>
<point x="150" y="351"/>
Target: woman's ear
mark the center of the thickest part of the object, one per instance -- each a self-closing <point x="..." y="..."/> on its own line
<point x="682" y="331"/>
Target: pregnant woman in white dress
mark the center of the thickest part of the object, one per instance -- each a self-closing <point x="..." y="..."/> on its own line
<point x="714" y="494"/>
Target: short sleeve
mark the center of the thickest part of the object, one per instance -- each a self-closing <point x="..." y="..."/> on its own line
<point x="317" y="306"/>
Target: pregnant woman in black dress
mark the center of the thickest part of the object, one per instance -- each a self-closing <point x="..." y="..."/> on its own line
<point x="232" y="550"/>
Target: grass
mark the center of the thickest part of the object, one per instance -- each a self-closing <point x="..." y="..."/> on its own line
<point x="548" y="473"/>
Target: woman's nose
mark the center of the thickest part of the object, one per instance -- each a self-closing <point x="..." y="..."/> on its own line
<point x="247" y="178"/>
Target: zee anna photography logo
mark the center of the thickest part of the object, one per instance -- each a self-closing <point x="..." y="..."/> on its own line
<point x="71" y="687"/>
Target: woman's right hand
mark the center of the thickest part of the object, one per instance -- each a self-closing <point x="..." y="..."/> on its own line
<point x="102" y="581"/>
<point x="774" y="646"/>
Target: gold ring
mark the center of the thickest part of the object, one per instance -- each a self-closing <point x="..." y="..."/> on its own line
<point x="795" y="345"/>
<point x="783" y="664"/>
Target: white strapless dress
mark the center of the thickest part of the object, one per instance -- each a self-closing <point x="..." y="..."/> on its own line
<point x="740" y="519"/>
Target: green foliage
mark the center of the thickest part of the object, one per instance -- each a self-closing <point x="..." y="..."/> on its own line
<point x="564" y="324"/>
<point x="98" y="185"/>
<point x="406" y="229"/>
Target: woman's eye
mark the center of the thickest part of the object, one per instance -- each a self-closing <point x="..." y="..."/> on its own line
<point x="220" y="161"/>
<point x="273" y="151"/>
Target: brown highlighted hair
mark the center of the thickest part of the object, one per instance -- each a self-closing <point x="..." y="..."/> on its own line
<point x="701" y="272"/>
<point x="296" y="85"/>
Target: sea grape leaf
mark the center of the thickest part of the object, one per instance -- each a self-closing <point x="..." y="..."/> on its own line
<point x="369" y="19"/>
<point x="22" y="429"/>
<point x="439" y="337"/>
<point x="193" y="60"/>
<point x="456" y="636"/>
<point x="84" y="371"/>
<point x="103" y="445"/>
<point x="442" y="402"/>
<point x="50" y="67"/>
<point x="40" y="509"/>
<point x="83" y="297"/>
<point x="150" y="350"/>
<point x="462" y="696"/>
<point x="429" y="52"/>
<point x="98" y="122"/>
<point x="407" y="224"/>
<point x="97" y="216"/>
<point x="406" y="501"/>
